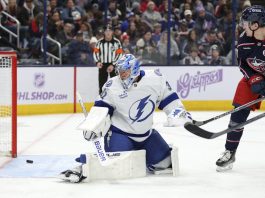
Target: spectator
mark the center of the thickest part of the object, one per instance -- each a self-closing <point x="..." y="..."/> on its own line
<point x="172" y="23"/>
<point x="208" y="5"/>
<point x="221" y="9"/>
<point x="188" y="18"/>
<point x="204" y="22"/>
<point x="210" y="38"/>
<point x="11" y="8"/>
<point x="27" y="12"/>
<point x="150" y="15"/>
<point x="126" y="44"/>
<point x="66" y="35"/>
<point x="113" y="13"/>
<point x="136" y="8"/>
<point x="163" y="9"/>
<point x="146" y="47"/>
<point x="183" y="6"/>
<point x="100" y="34"/>
<point x="226" y="31"/>
<point x="55" y="24"/>
<point x="162" y="48"/>
<point x="35" y="34"/>
<point x="97" y="22"/>
<point x="216" y="59"/>
<point x="78" y="51"/>
<point x="192" y="42"/>
<point x="106" y="53"/>
<point x="192" y="58"/>
<point x="125" y="24"/>
<point x="157" y="32"/>
<point x="117" y="32"/>
<point x="72" y="13"/>
<point x="86" y="29"/>
<point x="92" y="43"/>
<point x="133" y="33"/>
<point x="182" y="37"/>
<point x="144" y="5"/>
<point x="55" y="6"/>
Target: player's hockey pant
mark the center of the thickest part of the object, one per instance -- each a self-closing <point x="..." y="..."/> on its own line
<point x="233" y="138"/>
<point x="156" y="147"/>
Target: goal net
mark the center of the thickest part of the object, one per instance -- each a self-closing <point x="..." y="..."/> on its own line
<point x="8" y="104"/>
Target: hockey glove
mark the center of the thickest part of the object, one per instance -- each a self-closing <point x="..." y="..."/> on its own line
<point x="178" y="117"/>
<point x="89" y="135"/>
<point x="257" y="84"/>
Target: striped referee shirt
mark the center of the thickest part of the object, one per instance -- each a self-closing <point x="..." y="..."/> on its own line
<point x="107" y="51"/>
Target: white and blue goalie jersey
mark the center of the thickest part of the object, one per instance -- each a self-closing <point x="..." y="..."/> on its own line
<point x="132" y="110"/>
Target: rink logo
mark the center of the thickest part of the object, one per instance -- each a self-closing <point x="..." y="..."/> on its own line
<point x="199" y="81"/>
<point x="39" y="80"/>
<point x="99" y="151"/>
<point x="141" y="109"/>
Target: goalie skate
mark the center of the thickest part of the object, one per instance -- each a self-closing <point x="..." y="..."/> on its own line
<point x="225" y="162"/>
<point x="73" y="176"/>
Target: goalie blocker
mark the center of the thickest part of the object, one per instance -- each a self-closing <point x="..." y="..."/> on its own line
<point x="126" y="165"/>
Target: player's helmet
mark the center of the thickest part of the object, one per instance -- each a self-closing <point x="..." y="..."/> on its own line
<point x="128" y="62"/>
<point x="254" y="13"/>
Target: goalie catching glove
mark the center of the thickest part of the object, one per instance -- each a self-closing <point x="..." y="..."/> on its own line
<point x="96" y="124"/>
<point x="178" y="117"/>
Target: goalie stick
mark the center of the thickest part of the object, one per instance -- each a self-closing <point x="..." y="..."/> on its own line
<point x="200" y="123"/>
<point x="196" y="130"/>
<point x="102" y="156"/>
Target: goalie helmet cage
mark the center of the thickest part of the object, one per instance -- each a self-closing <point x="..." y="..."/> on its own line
<point x="8" y="103"/>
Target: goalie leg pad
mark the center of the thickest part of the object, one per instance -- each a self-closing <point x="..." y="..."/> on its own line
<point x="175" y="161"/>
<point x="127" y="164"/>
<point x="169" y="165"/>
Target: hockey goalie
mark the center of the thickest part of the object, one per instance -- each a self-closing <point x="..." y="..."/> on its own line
<point x="122" y="117"/>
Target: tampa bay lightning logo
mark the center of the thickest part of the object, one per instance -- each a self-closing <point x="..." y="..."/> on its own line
<point x="141" y="109"/>
<point x="109" y="83"/>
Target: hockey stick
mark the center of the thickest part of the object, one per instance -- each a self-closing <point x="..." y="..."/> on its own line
<point x="102" y="156"/>
<point x="200" y="123"/>
<point x="196" y="130"/>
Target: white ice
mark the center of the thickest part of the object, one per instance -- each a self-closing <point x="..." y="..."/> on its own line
<point x="56" y="135"/>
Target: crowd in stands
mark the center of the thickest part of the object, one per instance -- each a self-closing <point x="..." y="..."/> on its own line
<point x="200" y="33"/>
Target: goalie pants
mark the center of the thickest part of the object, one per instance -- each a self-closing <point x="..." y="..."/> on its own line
<point x="156" y="147"/>
<point x="242" y="96"/>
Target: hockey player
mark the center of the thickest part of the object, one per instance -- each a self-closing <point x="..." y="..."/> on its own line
<point x="251" y="59"/>
<point x="131" y="98"/>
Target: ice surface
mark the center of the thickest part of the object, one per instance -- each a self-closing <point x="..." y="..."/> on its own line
<point x="55" y="135"/>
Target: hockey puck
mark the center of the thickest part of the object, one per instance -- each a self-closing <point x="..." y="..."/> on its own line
<point x="29" y="161"/>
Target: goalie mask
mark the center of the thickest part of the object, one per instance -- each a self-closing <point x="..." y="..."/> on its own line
<point x="128" y="63"/>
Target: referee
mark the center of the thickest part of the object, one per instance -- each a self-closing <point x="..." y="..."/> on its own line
<point x="106" y="53"/>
